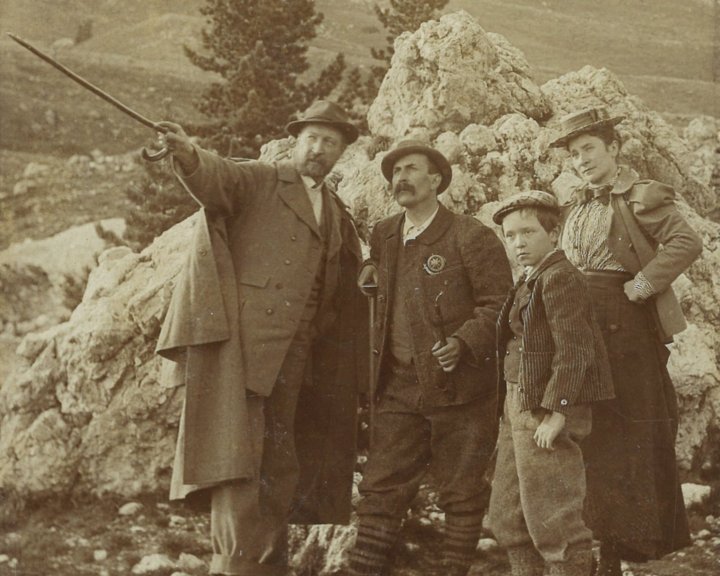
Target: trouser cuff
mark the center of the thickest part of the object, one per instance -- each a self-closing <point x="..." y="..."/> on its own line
<point x="237" y="566"/>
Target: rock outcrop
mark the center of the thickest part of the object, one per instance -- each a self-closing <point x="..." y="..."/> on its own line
<point x="42" y="280"/>
<point x="88" y="410"/>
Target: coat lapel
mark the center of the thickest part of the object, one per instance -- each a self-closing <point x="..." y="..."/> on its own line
<point x="332" y="211"/>
<point x="526" y="295"/>
<point x="393" y="240"/>
<point x="291" y="191"/>
<point x="438" y="227"/>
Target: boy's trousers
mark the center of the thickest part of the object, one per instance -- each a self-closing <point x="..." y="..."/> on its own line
<point x="537" y="494"/>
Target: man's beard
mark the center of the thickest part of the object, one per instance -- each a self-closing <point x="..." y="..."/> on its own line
<point x="314" y="167"/>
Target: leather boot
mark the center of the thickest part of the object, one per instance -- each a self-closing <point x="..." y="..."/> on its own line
<point x="577" y="563"/>
<point x="525" y="561"/>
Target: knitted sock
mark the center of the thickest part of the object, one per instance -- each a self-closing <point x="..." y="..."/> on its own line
<point x="462" y="533"/>
<point x="375" y="539"/>
<point x="525" y="561"/>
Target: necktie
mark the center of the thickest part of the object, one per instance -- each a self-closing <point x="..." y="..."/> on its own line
<point x="601" y="194"/>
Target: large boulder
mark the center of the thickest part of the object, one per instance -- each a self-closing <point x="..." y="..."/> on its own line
<point x="449" y="74"/>
<point x="42" y="280"/>
<point x="88" y="410"/>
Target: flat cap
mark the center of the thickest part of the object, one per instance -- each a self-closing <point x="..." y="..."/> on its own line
<point x="529" y="199"/>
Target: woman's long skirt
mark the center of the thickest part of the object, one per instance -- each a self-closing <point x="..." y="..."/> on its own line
<point x="633" y="490"/>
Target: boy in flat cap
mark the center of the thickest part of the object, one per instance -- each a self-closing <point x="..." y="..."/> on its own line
<point x="631" y="242"/>
<point x="436" y="393"/>
<point x="265" y="325"/>
<point x="553" y="364"/>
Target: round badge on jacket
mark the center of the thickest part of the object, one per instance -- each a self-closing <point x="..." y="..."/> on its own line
<point x="434" y="264"/>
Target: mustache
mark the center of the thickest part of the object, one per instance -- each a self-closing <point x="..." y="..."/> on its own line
<point x="403" y="186"/>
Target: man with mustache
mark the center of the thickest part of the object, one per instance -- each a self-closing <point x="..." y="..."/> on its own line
<point x="266" y="329"/>
<point x="441" y="280"/>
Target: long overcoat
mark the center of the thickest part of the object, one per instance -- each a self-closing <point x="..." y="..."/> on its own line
<point x="233" y="315"/>
<point x="465" y="260"/>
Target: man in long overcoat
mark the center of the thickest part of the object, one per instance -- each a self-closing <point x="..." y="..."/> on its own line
<point x="436" y="372"/>
<point x="264" y="326"/>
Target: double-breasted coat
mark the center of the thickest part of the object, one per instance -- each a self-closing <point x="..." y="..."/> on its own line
<point x="234" y="314"/>
<point x="463" y="259"/>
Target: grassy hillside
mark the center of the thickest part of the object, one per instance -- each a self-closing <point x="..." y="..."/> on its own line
<point x="661" y="49"/>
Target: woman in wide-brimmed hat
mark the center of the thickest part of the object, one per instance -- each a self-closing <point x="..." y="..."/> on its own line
<point x="613" y="228"/>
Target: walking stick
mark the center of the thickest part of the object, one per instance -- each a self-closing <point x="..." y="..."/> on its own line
<point x="149" y="156"/>
<point x="370" y="289"/>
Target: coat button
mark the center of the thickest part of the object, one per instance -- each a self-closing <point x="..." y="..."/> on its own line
<point x="203" y="252"/>
<point x="613" y="327"/>
<point x="507" y="352"/>
<point x="287" y="262"/>
<point x="269" y="311"/>
<point x="376" y="351"/>
<point x="293" y="238"/>
<point x="563" y="402"/>
<point x="287" y="303"/>
<point x="520" y="349"/>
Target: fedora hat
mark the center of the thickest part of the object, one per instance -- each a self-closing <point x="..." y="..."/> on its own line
<point x="325" y="112"/>
<point x="529" y="199"/>
<point x="407" y="147"/>
<point x="587" y="120"/>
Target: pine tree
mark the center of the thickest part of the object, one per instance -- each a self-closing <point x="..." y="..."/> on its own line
<point x="259" y="49"/>
<point x="359" y="90"/>
<point x="157" y="202"/>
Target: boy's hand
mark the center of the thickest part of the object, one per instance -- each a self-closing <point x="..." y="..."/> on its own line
<point x="549" y="428"/>
<point x="448" y="356"/>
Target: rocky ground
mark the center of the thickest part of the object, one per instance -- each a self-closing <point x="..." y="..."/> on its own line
<point x="114" y="537"/>
<point x="87" y="413"/>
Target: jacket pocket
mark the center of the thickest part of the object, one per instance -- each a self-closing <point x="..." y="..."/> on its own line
<point x="256" y="280"/>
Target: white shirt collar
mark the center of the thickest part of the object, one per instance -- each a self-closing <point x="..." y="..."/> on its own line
<point x="310" y="183"/>
<point x="412" y="231"/>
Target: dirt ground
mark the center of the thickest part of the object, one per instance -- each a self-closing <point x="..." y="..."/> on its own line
<point x="79" y="538"/>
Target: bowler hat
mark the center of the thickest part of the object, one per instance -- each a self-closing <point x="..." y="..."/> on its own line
<point x="584" y="121"/>
<point x="529" y="199"/>
<point x="325" y="112"/>
<point x="407" y="147"/>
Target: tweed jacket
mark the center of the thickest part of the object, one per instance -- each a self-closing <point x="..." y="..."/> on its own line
<point x="474" y="278"/>
<point x="563" y="361"/>
<point x="234" y="313"/>
<point x="647" y="233"/>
